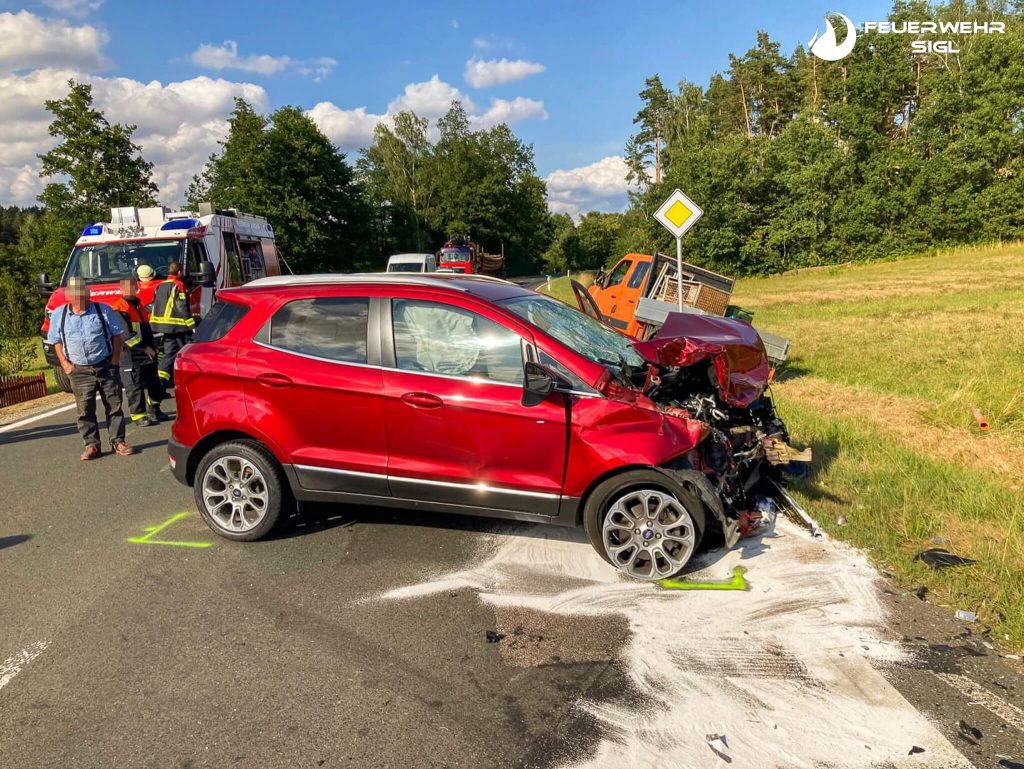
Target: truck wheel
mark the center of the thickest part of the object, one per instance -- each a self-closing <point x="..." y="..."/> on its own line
<point x="240" y="490"/>
<point x="63" y="380"/>
<point x="644" y="524"/>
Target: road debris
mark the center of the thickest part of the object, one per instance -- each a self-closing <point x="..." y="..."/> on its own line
<point x="716" y="740"/>
<point x="736" y="582"/>
<point x="979" y="418"/>
<point x="940" y="558"/>
<point x="795" y="507"/>
<point x="493" y="637"/>
<point x="966" y="616"/>
<point x="915" y="749"/>
<point x="970" y="733"/>
<point x="1007" y="763"/>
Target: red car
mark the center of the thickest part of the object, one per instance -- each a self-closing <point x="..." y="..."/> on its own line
<point x="468" y="394"/>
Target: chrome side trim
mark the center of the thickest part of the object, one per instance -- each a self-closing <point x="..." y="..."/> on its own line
<point x="313" y="357"/>
<point x="426" y="482"/>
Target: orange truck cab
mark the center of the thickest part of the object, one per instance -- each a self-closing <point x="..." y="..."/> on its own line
<point x="618" y="292"/>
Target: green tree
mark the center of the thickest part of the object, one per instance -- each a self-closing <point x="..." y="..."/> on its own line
<point x="228" y="178"/>
<point x="99" y="166"/>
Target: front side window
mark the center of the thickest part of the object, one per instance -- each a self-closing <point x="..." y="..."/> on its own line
<point x="111" y="262"/>
<point x="196" y="256"/>
<point x="577" y="331"/>
<point x="618" y="274"/>
<point x="441" y="339"/>
<point x="333" y="328"/>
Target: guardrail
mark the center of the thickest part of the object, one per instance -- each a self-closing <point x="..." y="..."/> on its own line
<point x="18" y="389"/>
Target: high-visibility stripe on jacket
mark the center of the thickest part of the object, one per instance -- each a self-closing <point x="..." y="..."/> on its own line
<point x="137" y="323"/>
<point x="171" y="313"/>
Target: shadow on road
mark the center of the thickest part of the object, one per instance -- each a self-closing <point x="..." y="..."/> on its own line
<point x="322" y="516"/>
<point x="42" y="431"/>
<point x="17" y="539"/>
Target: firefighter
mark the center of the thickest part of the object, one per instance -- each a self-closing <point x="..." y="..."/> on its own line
<point x="147" y="285"/>
<point x="138" y="360"/>
<point x="172" y="317"/>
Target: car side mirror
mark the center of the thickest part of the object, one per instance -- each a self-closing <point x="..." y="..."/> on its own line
<point x="539" y="381"/>
<point x="207" y="275"/>
<point x="44" y="286"/>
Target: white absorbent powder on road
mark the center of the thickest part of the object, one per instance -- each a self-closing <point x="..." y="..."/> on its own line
<point x="783" y="675"/>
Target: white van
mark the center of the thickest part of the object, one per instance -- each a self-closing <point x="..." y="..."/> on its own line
<point x="412" y="263"/>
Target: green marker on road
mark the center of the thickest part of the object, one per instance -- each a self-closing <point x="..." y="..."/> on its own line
<point x="152" y="531"/>
<point x="737" y="582"/>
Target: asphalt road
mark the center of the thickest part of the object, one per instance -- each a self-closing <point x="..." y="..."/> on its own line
<point x="359" y="637"/>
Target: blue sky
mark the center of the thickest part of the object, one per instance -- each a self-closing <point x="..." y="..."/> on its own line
<point x="579" y="67"/>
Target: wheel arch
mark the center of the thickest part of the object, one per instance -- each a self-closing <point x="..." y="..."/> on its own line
<point x="611" y="474"/>
<point x="214" y="439"/>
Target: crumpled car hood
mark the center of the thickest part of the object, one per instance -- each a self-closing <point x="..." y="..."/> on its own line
<point x="737" y="352"/>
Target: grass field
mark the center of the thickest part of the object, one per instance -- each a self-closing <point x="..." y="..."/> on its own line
<point x="886" y="363"/>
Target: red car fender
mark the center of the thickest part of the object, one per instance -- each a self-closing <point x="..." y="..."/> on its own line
<point x="613" y="435"/>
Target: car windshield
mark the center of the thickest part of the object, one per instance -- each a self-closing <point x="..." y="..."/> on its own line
<point x="110" y="262"/>
<point x="454" y="256"/>
<point x="575" y="330"/>
<point x="405" y="267"/>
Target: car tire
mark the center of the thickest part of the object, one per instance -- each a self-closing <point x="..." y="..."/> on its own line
<point x="240" y="490"/>
<point x="62" y="379"/>
<point x="666" y="523"/>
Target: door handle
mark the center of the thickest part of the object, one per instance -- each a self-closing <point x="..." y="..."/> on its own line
<point x="272" y="379"/>
<point x="423" y="400"/>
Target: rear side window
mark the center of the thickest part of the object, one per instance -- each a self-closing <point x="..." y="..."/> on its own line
<point x="637" y="278"/>
<point x="333" y="328"/>
<point x="220" y="320"/>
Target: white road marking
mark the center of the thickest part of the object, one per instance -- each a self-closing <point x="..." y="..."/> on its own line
<point x="787" y="672"/>
<point x="11" y="666"/>
<point x="978" y="694"/>
<point x="37" y="417"/>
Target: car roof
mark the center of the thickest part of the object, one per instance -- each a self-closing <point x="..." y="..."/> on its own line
<point x="483" y="286"/>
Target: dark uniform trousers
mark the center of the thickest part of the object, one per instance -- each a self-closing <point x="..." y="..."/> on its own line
<point x="141" y="386"/>
<point x="172" y="344"/>
<point x="86" y="383"/>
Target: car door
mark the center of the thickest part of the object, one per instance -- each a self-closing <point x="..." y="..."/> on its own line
<point x="314" y="379"/>
<point x="458" y="432"/>
<point x="608" y="295"/>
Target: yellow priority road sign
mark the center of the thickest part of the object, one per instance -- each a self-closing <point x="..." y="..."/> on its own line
<point x="678" y="213"/>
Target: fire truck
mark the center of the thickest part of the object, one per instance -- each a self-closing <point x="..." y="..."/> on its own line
<point x="216" y="249"/>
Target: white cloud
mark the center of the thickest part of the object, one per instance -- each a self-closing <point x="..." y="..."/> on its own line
<point x="30" y="42"/>
<point x="179" y="124"/>
<point x="220" y="57"/>
<point x="482" y="73"/>
<point x="514" y="111"/>
<point x="76" y="8"/>
<point x="429" y="99"/>
<point x="351" y="129"/>
<point x="600" y="186"/>
<point x="485" y="42"/>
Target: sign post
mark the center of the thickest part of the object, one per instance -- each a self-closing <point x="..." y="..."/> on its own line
<point x="678" y="214"/>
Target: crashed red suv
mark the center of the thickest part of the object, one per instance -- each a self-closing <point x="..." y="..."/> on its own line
<point x="467" y="394"/>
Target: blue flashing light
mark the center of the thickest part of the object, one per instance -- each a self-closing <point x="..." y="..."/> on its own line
<point x="180" y="224"/>
<point x="93" y="229"/>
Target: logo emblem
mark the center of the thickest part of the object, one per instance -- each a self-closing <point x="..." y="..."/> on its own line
<point x="825" y="46"/>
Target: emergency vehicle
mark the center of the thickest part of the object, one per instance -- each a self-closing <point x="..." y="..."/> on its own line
<point x="216" y="249"/>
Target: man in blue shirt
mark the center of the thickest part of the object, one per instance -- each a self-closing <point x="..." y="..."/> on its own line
<point x="87" y="338"/>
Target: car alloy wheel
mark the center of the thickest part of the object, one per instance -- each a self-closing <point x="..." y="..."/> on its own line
<point x="648" y="534"/>
<point x="235" y="494"/>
